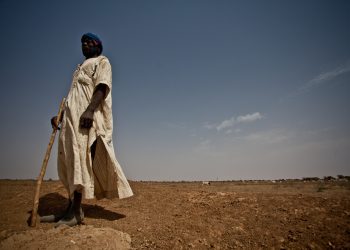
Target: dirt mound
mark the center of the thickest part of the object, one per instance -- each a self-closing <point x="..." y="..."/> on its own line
<point x="64" y="237"/>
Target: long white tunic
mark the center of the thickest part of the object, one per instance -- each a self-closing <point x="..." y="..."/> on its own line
<point x="103" y="178"/>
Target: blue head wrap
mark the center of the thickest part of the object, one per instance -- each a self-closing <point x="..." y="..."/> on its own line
<point x="93" y="37"/>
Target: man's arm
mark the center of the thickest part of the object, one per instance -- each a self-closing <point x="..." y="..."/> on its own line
<point x="99" y="95"/>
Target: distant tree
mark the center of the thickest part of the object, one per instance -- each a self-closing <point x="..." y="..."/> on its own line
<point x="310" y="178"/>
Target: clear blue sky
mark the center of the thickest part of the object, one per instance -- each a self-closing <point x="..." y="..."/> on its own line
<point x="201" y="89"/>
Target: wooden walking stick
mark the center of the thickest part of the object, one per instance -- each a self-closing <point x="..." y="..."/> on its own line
<point x="43" y="168"/>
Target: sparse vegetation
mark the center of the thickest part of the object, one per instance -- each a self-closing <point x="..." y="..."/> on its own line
<point x="311" y="179"/>
<point x="328" y="178"/>
<point x="321" y="188"/>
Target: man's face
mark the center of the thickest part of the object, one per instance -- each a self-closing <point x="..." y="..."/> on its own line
<point x="89" y="48"/>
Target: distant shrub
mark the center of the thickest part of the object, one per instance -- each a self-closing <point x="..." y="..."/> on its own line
<point x="311" y="179"/>
<point x="328" y="178"/>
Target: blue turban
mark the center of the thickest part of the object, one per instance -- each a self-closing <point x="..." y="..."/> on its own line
<point x="94" y="38"/>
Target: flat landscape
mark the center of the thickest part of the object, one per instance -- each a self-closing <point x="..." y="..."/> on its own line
<point x="186" y="215"/>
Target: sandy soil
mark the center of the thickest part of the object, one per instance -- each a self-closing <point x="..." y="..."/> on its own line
<point x="223" y="215"/>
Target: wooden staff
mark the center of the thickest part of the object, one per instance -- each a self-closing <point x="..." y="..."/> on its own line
<point x="43" y="168"/>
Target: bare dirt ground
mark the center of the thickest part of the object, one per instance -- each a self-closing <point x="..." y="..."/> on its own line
<point x="183" y="215"/>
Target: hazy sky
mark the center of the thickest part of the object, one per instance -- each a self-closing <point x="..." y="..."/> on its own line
<point x="201" y="89"/>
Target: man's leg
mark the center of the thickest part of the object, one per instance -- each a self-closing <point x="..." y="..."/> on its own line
<point x="63" y="175"/>
<point x="93" y="150"/>
<point x="75" y="214"/>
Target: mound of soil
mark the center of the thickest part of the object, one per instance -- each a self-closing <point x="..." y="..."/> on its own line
<point x="64" y="237"/>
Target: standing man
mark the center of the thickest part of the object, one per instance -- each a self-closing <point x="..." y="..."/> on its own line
<point x="87" y="165"/>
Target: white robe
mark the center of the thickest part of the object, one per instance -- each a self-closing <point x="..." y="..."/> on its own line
<point x="104" y="178"/>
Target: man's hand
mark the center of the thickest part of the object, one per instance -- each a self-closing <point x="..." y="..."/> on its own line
<point x="54" y="122"/>
<point x="86" y="119"/>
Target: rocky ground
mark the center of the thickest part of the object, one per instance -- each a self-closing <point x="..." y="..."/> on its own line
<point x="186" y="215"/>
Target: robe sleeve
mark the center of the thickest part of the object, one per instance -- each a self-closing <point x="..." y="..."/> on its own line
<point x="103" y="74"/>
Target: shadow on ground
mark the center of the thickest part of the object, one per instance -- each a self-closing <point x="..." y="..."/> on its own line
<point x="54" y="203"/>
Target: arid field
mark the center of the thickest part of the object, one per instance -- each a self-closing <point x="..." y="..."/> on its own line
<point x="186" y="215"/>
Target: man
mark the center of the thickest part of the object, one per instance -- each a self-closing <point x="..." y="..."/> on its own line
<point x="87" y="165"/>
